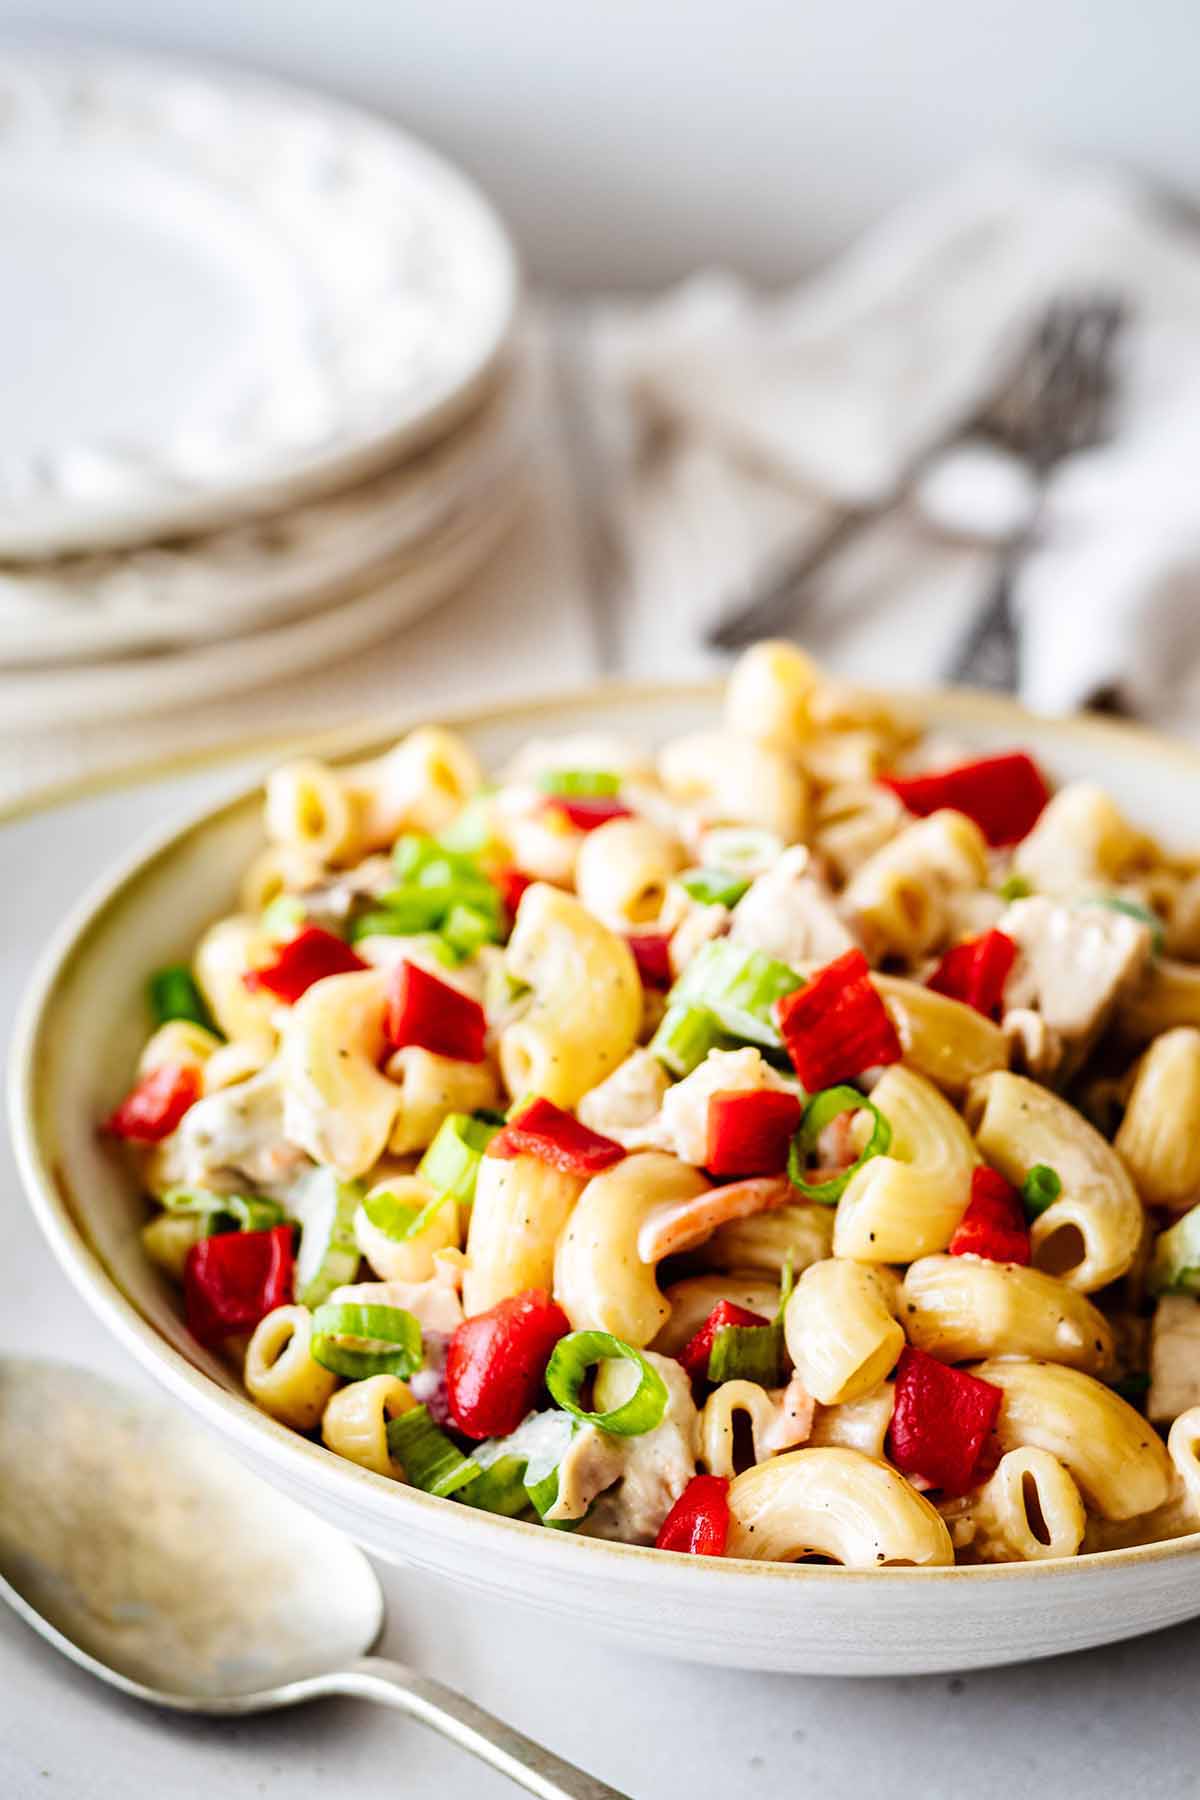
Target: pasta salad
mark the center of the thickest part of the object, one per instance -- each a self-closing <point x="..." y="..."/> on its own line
<point x="781" y="1145"/>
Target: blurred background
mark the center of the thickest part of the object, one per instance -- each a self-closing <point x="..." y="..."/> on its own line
<point x="629" y="142"/>
<point x="877" y="325"/>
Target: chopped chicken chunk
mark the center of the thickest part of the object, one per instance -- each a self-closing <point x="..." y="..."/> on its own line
<point x="1073" y="966"/>
<point x="592" y="1462"/>
<point x="626" y="1104"/>
<point x="230" y="1139"/>
<point x="790" y="914"/>
<point x="657" y="1466"/>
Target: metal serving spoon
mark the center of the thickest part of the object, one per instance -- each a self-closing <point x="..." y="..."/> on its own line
<point x="146" y="1554"/>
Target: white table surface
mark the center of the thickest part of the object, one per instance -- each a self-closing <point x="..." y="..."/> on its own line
<point x="1115" y="1721"/>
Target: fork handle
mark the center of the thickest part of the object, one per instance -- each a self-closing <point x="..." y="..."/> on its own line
<point x="988" y="656"/>
<point x="775" y="604"/>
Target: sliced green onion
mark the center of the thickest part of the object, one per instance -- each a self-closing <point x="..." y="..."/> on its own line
<point x="424" y="866"/>
<point x="1175" y="1265"/>
<point x="441" y="889"/>
<point x="451" y="1163"/>
<point x="173" y="994"/>
<point x="580" y="784"/>
<point x="431" y="1460"/>
<point x="1133" y="910"/>
<point x="579" y="1351"/>
<point x="1040" y="1189"/>
<point x="248" y="1211"/>
<point x="396" y="1219"/>
<point x="742" y="849"/>
<point x="521" y="1469"/>
<point x="821" y="1109"/>
<point x="685" y="1036"/>
<point x="714" y="887"/>
<point x="398" y="915"/>
<point x="470" y="833"/>
<point x="328" y="1257"/>
<point x="748" y="1353"/>
<point x="739" y="987"/>
<point x="500" y="1488"/>
<point x="283" y="918"/>
<point x="787" y="1287"/>
<point x="1015" y="887"/>
<point x="359" y="1341"/>
<point x="467" y="928"/>
<point x="412" y="852"/>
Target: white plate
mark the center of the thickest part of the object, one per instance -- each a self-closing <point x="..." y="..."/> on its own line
<point x="78" y="1040"/>
<point x="388" y="597"/>
<point x="164" y="596"/>
<point x="220" y="293"/>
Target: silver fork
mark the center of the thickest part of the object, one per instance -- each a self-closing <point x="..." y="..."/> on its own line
<point x="1056" y="405"/>
<point x="1010" y="416"/>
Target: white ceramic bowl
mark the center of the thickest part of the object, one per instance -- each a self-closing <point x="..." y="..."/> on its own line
<point x="75" y="1046"/>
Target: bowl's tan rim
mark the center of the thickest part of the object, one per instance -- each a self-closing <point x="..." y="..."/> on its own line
<point x="55" y="1210"/>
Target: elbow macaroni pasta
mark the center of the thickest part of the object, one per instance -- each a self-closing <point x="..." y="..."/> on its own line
<point x="663" y="1199"/>
<point x="1158" y="1141"/>
<point x="623" y="871"/>
<point x="836" y="1503"/>
<point x="521" y="1206"/>
<point x="841" y="1331"/>
<point x="1119" y="1464"/>
<point x="587" y="999"/>
<point x="949" y="1043"/>
<point x="280" y="1373"/>
<point x="1090" y="1235"/>
<point x="899" y="896"/>
<point x="1029" y="1510"/>
<point x="600" y="1281"/>
<point x="338" y="1106"/>
<point x="906" y="1204"/>
<point x="962" y="1307"/>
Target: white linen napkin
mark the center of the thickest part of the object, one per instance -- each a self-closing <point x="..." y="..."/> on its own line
<point x="759" y="418"/>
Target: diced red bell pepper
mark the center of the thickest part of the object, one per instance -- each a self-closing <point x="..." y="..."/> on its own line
<point x="749" y="1133"/>
<point x="304" y="959"/>
<point x="837" y="1025"/>
<point x="652" y="954"/>
<point x="1004" y="795"/>
<point x="496" y="1363"/>
<point x="233" y="1280"/>
<point x="428" y="1013"/>
<point x="152" y="1109"/>
<point x="975" y="972"/>
<point x="695" y="1353"/>
<point x="512" y="883"/>
<point x="556" y="1137"/>
<point x="994" y="1222"/>
<point x="586" y="814"/>
<point x="941" y="1418"/>
<point x="698" y="1523"/>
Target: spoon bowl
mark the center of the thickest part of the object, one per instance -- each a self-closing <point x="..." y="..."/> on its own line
<point x="138" y="1547"/>
<point x="149" y="1551"/>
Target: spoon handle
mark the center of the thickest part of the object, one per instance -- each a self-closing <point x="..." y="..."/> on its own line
<point x="530" y="1765"/>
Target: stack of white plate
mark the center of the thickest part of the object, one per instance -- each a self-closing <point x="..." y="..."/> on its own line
<point x="257" y="360"/>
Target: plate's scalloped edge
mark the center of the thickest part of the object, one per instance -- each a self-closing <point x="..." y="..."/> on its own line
<point x="51" y="514"/>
